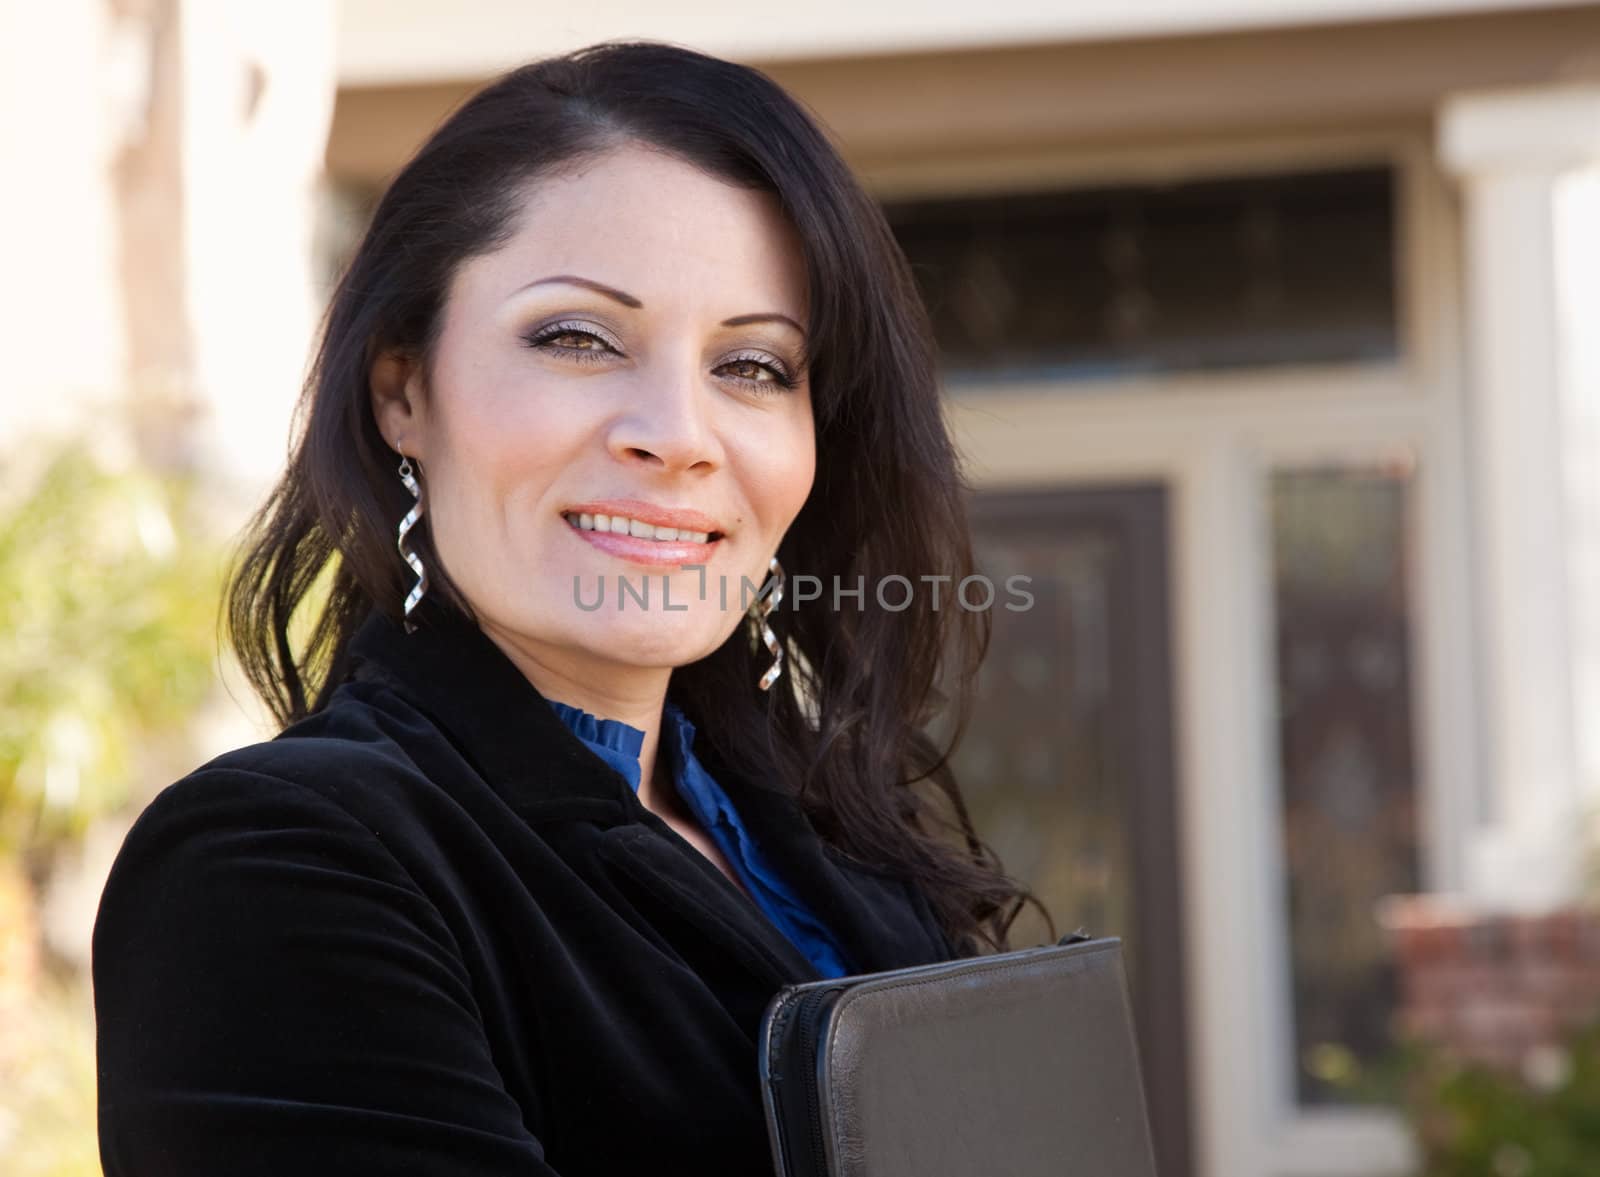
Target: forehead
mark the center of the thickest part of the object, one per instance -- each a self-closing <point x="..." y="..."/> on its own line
<point x="650" y="224"/>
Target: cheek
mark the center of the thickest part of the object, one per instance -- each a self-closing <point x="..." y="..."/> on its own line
<point x="784" y="468"/>
<point x="501" y="450"/>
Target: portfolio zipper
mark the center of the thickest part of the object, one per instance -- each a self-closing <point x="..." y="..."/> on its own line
<point x="808" y="1042"/>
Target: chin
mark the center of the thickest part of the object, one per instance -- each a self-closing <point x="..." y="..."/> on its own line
<point x="655" y="638"/>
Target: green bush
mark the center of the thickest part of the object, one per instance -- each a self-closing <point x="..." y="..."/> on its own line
<point x="108" y="607"/>
<point x="1492" y="1123"/>
<point x="1473" y="1120"/>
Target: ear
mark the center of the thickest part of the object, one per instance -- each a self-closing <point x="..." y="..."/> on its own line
<point x="395" y="385"/>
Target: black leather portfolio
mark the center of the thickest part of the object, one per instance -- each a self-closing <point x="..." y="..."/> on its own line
<point x="1019" y="1064"/>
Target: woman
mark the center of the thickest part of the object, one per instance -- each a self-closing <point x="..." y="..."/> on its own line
<point x="511" y="889"/>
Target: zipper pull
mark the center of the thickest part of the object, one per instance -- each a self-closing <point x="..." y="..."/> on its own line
<point x="1074" y="937"/>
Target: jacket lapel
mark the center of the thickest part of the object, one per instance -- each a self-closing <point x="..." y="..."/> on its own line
<point x="496" y="717"/>
<point x="879" y="918"/>
<point x="522" y="749"/>
<point x="681" y="879"/>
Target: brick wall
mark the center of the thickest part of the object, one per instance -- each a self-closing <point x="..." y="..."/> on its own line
<point x="1495" y="988"/>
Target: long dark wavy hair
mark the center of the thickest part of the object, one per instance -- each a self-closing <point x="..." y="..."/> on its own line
<point x="846" y="730"/>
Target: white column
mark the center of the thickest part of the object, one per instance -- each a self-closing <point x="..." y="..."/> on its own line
<point x="1577" y="224"/>
<point x="261" y="81"/>
<point x="1531" y="216"/>
<point x="65" y="76"/>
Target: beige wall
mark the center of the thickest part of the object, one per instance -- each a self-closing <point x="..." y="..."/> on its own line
<point x="384" y="42"/>
<point x="1116" y="95"/>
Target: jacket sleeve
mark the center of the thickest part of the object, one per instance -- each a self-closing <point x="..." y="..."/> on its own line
<point x="274" y="995"/>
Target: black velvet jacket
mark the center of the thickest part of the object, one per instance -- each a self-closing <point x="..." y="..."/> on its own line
<point x="427" y="931"/>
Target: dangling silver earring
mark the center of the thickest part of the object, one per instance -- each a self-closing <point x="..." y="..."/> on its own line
<point x="767" y="600"/>
<point x="408" y="476"/>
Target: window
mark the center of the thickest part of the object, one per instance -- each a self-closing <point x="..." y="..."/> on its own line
<point x="1081" y="284"/>
<point x="1341" y="545"/>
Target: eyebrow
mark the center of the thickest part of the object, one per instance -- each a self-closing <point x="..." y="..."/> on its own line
<point x="629" y="300"/>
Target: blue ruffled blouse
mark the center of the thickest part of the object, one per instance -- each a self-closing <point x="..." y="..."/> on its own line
<point x="618" y="744"/>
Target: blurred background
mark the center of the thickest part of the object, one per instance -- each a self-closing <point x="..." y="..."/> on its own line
<point x="1271" y="336"/>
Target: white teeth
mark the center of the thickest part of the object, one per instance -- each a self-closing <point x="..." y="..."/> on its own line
<point x="621" y="525"/>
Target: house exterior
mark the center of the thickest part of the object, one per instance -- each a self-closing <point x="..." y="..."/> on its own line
<point x="1272" y="336"/>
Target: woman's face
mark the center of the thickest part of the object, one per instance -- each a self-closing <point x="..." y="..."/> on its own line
<point x="621" y="361"/>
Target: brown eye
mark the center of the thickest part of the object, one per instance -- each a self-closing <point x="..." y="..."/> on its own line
<point x="589" y="349"/>
<point x="776" y="378"/>
<point x="753" y="370"/>
<point x="552" y="334"/>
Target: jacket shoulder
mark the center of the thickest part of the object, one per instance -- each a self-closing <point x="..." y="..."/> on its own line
<point x="212" y="814"/>
<point x="345" y="750"/>
<point x="264" y="968"/>
<point x="320" y="775"/>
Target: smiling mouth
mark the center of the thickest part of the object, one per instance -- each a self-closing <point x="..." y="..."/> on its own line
<point x="638" y="529"/>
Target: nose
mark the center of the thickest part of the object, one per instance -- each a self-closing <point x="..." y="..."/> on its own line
<point x="667" y="420"/>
